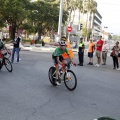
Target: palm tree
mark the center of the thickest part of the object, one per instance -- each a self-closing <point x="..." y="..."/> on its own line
<point x="80" y="8"/>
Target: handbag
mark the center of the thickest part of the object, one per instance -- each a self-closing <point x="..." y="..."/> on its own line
<point x="111" y="54"/>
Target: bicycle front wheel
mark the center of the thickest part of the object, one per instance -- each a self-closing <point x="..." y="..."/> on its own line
<point x="8" y="64"/>
<point x="70" y="80"/>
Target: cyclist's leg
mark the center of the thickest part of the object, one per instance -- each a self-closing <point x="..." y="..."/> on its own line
<point x="57" y="69"/>
<point x="56" y="66"/>
<point x="63" y="60"/>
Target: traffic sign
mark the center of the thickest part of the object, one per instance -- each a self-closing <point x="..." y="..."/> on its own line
<point x="69" y="28"/>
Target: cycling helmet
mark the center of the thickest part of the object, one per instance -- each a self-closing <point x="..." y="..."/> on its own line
<point x="62" y="43"/>
<point x="63" y="38"/>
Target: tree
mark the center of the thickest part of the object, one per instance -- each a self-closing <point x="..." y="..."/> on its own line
<point x="80" y="8"/>
<point x="13" y="13"/>
<point x="45" y="16"/>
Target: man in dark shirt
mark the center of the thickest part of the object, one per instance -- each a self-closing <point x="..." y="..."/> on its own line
<point x="81" y="52"/>
<point x="16" y="47"/>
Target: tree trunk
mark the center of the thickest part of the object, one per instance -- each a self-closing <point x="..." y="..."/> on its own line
<point x="39" y="34"/>
<point x="12" y="31"/>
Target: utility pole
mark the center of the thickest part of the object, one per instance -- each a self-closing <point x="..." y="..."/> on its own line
<point x="60" y="19"/>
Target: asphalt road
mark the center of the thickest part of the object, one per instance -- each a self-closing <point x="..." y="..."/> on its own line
<point x="26" y="93"/>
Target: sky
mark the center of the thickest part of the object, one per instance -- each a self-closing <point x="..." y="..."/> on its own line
<point x="110" y="12"/>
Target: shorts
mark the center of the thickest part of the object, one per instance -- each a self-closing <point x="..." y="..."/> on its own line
<point x="55" y="59"/>
<point x="90" y="54"/>
<point x="118" y="54"/>
<point x="98" y="54"/>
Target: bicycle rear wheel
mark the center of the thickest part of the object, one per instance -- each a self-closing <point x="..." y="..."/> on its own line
<point x="51" y="76"/>
<point x="70" y="80"/>
<point x="8" y="64"/>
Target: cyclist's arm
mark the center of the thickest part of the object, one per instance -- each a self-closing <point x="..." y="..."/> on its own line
<point x="11" y="41"/>
<point x="53" y="43"/>
<point x="6" y="48"/>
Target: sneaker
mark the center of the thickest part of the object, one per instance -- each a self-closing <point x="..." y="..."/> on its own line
<point x="113" y="68"/>
<point x="118" y="68"/>
<point x="58" y="82"/>
<point x="91" y="63"/>
<point x="88" y="63"/>
<point x="96" y="65"/>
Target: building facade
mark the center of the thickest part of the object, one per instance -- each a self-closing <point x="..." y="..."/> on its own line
<point x="96" y="25"/>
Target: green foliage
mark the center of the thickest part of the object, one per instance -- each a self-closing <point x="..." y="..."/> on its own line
<point x="45" y="16"/>
<point x="13" y="12"/>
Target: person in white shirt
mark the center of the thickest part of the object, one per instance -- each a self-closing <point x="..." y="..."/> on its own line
<point x="104" y="52"/>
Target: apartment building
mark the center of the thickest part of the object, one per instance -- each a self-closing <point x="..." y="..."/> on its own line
<point x="96" y="25"/>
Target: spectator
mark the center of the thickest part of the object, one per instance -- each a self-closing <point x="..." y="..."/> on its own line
<point x="117" y="53"/>
<point x="104" y="52"/>
<point x="114" y="57"/>
<point x="91" y="48"/>
<point x="117" y="47"/>
<point x="81" y="52"/>
<point x="99" y="45"/>
<point x="119" y="58"/>
<point x="43" y="43"/>
<point x="16" y="47"/>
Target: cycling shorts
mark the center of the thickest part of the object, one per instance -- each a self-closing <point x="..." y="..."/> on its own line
<point x="55" y="59"/>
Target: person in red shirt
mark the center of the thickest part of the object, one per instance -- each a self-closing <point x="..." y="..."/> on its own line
<point x="99" y="45"/>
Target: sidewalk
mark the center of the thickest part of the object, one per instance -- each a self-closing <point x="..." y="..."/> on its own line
<point x="37" y="48"/>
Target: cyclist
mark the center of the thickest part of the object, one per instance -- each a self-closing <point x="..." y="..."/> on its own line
<point x="68" y="47"/>
<point x="2" y="45"/>
<point x="58" y="58"/>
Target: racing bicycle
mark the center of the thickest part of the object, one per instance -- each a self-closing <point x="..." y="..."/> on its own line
<point x="65" y="75"/>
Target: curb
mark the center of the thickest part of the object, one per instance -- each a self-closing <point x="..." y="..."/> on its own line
<point x="37" y="49"/>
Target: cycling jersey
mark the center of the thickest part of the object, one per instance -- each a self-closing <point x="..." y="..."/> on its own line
<point x="69" y="48"/>
<point x="1" y="45"/>
<point x="58" y="52"/>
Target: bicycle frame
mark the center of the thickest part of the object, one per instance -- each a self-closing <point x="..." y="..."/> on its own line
<point x="62" y="70"/>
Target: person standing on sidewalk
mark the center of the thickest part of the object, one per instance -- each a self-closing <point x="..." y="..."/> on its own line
<point x="16" y="47"/>
<point x="115" y="58"/>
<point x="118" y="53"/>
<point x="119" y="58"/>
<point x="91" y="48"/>
<point x="99" y="45"/>
<point x="81" y="52"/>
<point x="104" y="52"/>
